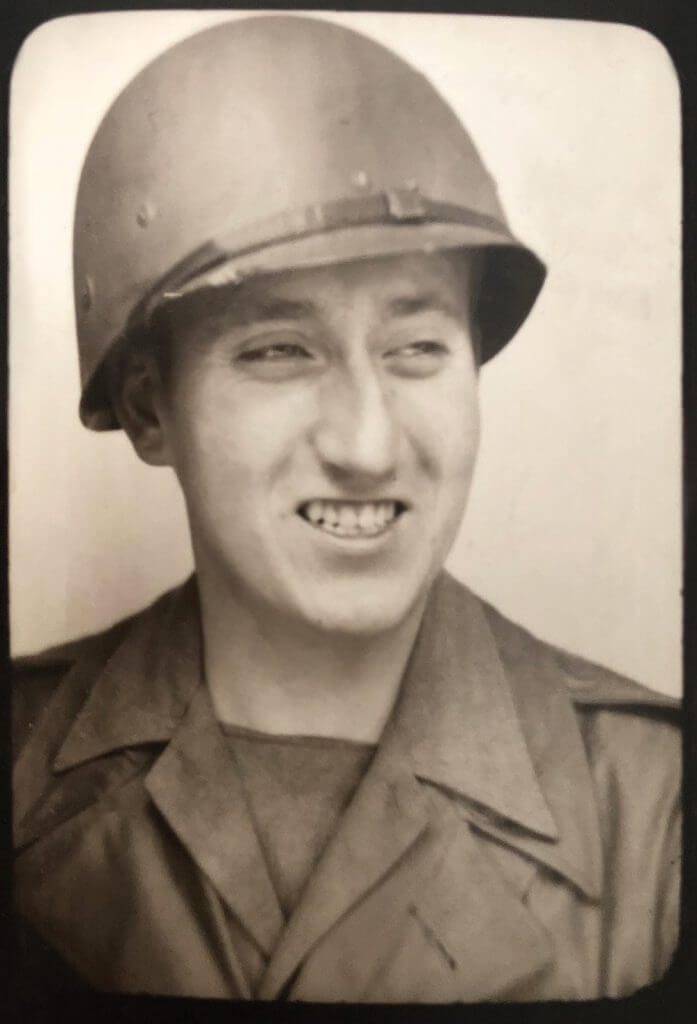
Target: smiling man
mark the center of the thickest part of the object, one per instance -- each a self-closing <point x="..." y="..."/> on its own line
<point x="321" y="769"/>
<point x="323" y="425"/>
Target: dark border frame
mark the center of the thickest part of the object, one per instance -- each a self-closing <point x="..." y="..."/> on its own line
<point x="674" y="23"/>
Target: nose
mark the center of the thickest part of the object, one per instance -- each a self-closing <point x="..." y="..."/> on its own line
<point x="356" y="437"/>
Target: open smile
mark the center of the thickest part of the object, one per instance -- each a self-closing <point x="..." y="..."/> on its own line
<point x="351" y="518"/>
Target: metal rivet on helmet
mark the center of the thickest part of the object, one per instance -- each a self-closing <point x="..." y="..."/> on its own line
<point x="144" y="214"/>
<point x="360" y="180"/>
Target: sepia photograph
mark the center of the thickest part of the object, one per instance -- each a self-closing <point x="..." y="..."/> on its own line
<point x="345" y="506"/>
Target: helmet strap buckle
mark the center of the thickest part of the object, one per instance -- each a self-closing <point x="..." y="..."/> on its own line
<point x="405" y="204"/>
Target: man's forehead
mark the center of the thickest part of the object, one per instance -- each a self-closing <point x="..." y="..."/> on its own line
<point x="395" y="286"/>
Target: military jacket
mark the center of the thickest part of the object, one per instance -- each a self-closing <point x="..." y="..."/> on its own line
<point x="516" y="837"/>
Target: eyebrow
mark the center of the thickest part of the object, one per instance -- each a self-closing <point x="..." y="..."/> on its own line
<point x="255" y="309"/>
<point x="427" y="302"/>
<point x="260" y="309"/>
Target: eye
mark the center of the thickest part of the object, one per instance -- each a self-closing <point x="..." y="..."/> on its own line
<point x="420" y="348"/>
<point x="277" y="358"/>
<point x="417" y="358"/>
<point x="274" y="352"/>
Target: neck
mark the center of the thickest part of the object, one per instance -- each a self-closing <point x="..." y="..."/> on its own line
<point x="274" y="677"/>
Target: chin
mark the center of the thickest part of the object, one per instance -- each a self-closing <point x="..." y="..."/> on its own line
<point x="365" y="611"/>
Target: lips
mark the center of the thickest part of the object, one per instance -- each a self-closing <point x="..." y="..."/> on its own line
<point x="351" y="518"/>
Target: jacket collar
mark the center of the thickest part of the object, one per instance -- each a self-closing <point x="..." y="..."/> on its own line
<point x="484" y="715"/>
<point x="456" y="716"/>
<point x="143" y="689"/>
<point x="504" y="742"/>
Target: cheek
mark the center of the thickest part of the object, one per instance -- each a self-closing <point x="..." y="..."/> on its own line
<point x="444" y="420"/>
<point x="231" y="439"/>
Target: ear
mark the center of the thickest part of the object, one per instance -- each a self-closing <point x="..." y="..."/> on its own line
<point x="138" y="398"/>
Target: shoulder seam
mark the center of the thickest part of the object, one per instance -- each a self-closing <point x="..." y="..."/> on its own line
<point x="67" y="654"/>
<point x="587" y="683"/>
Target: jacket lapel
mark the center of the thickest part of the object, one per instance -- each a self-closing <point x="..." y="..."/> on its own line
<point x="405" y="905"/>
<point x="443" y="925"/>
<point x="487" y="721"/>
<point x="196" y="786"/>
<point x="385" y="818"/>
<point x="149" y="691"/>
<point x="468" y="752"/>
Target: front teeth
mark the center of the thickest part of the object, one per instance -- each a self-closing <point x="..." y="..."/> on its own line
<point x="351" y="519"/>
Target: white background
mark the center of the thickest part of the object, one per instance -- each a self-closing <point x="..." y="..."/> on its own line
<point x="574" y="525"/>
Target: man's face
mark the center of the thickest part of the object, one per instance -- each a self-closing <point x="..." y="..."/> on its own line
<point x="323" y="425"/>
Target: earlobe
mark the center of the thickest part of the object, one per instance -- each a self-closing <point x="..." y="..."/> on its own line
<point x="136" y="395"/>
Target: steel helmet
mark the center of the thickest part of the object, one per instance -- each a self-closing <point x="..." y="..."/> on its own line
<point x="269" y="143"/>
